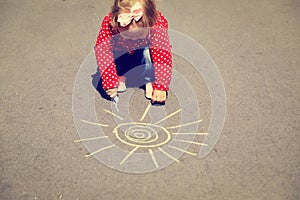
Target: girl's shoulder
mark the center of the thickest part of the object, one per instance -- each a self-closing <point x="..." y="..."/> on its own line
<point x="107" y="18"/>
<point x="106" y="23"/>
<point x="161" y="20"/>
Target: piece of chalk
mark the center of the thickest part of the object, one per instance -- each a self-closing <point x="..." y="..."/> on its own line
<point x="116" y="99"/>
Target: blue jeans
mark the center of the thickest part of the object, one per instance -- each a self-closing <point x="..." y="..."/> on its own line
<point x="137" y="67"/>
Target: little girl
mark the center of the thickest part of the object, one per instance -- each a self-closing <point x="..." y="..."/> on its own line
<point x="133" y="43"/>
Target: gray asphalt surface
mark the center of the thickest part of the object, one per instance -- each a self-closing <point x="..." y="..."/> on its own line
<point x="255" y="45"/>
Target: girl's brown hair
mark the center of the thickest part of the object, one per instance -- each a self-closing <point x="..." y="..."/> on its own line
<point x="150" y="13"/>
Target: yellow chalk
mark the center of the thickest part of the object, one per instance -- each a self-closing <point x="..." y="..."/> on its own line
<point x="182" y="125"/>
<point x="153" y="158"/>
<point x="104" y="125"/>
<point x="90" y="139"/>
<point x="170" y="115"/>
<point x="182" y="150"/>
<point x="146" y="112"/>
<point x="102" y="149"/>
<point x="192" y="142"/>
<point x="113" y="114"/>
<point x="189" y="133"/>
<point x="126" y="157"/>
<point x="168" y="154"/>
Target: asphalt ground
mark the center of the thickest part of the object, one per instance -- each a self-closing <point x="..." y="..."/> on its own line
<point x="255" y="45"/>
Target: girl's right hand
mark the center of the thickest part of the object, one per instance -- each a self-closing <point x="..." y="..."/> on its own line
<point x="159" y="96"/>
<point x="112" y="92"/>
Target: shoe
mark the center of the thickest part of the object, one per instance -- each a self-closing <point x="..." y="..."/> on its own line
<point x="122" y="87"/>
<point x="148" y="91"/>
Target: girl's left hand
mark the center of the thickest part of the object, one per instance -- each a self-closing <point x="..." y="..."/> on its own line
<point x="159" y="96"/>
<point x="112" y="92"/>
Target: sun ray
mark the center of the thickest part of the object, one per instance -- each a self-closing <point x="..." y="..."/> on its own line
<point x="168" y="154"/>
<point x="182" y="150"/>
<point x="145" y="113"/>
<point x="170" y="115"/>
<point x="93" y="123"/>
<point x="189" y="133"/>
<point x="126" y="157"/>
<point x="153" y="158"/>
<point x="90" y="139"/>
<point x="102" y="149"/>
<point x="182" y="125"/>
<point x="192" y="142"/>
<point x="113" y="114"/>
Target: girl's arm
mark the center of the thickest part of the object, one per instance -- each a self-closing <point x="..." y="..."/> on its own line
<point x="104" y="56"/>
<point x="161" y="54"/>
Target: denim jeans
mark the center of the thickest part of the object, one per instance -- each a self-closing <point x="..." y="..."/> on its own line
<point x="136" y="66"/>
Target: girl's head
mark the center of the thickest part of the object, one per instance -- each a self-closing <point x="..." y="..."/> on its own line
<point x="148" y="18"/>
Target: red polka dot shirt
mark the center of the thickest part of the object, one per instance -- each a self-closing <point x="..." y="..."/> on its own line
<point x="160" y="50"/>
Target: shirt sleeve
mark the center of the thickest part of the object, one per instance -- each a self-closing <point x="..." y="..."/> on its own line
<point x="104" y="56"/>
<point x="160" y="49"/>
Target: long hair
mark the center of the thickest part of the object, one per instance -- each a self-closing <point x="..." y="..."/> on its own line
<point x="150" y="13"/>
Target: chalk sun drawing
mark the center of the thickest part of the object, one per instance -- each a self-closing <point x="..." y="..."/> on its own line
<point x="143" y="135"/>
